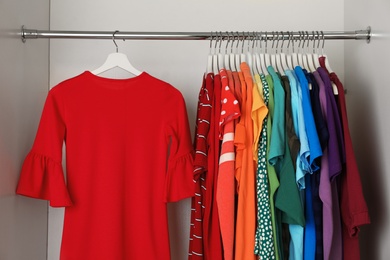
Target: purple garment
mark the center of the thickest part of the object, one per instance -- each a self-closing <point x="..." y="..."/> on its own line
<point x="325" y="189"/>
<point x="336" y="140"/>
<point x="332" y="237"/>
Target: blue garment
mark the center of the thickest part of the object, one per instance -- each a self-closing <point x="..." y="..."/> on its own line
<point x="302" y="161"/>
<point x="311" y="131"/>
<point x="309" y="251"/>
<point x="323" y="135"/>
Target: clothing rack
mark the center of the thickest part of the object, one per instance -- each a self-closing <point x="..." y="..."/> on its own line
<point x="274" y="35"/>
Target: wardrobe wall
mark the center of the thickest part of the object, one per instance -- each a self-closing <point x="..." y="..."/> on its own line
<point x="23" y="87"/>
<point x="181" y="63"/>
<point x="367" y="79"/>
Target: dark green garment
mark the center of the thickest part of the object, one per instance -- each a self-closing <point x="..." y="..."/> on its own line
<point x="293" y="141"/>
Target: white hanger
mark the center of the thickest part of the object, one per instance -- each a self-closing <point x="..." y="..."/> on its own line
<point x="273" y="55"/>
<point x="324" y="55"/>
<point x="238" y="55"/>
<point x="309" y="55"/>
<point x="309" y="58"/>
<point x="289" y="55"/>
<point x="267" y="55"/>
<point x="256" y="55"/>
<point x="281" y="57"/>
<point x="209" y="68"/>
<point x="303" y="53"/>
<point x="242" y="55"/>
<point x="249" y="57"/>
<point x="226" y="56"/>
<point x="264" y="57"/>
<point x="253" y="52"/>
<point x="334" y="87"/>
<point x="221" y="64"/>
<point x="232" y="56"/>
<point x="116" y="59"/>
<point x="215" y="57"/>
<point x="315" y="53"/>
<point x="294" y="53"/>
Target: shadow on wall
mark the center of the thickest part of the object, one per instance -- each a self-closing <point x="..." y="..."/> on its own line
<point x="371" y="169"/>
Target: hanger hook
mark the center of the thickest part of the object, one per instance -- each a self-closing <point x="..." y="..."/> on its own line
<point x="323" y="42"/>
<point x="318" y="41"/>
<point x="253" y="40"/>
<point x="216" y="41"/>
<point x="238" y="40"/>
<point x="211" y="40"/>
<point x="231" y="45"/>
<point x="273" y="40"/>
<point x="288" y="39"/>
<point x="314" y="41"/>
<point x="276" y="39"/>
<point x="243" y="41"/>
<point x="259" y="38"/>
<point x="303" y="41"/>
<point x="220" y="41"/>
<point x="299" y="39"/>
<point x="227" y="42"/>
<point x="113" y="39"/>
<point x="308" y="41"/>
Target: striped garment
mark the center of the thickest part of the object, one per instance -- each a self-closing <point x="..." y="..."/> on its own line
<point x="200" y="166"/>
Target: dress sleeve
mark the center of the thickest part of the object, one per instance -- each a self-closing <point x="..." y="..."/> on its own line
<point x="179" y="182"/>
<point x="42" y="175"/>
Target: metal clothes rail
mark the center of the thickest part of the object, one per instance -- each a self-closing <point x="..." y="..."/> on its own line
<point x="274" y="35"/>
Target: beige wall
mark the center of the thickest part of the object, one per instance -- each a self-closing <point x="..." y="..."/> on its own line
<point x="23" y="88"/>
<point x="367" y="79"/>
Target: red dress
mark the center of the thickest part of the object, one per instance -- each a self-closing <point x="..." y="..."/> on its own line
<point x="128" y="153"/>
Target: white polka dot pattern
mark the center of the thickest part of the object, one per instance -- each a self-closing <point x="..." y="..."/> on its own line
<point x="264" y="243"/>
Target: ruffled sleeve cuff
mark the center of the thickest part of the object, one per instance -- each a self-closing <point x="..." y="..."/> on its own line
<point x="179" y="182"/>
<point x="43" y="178"/>
<point x="357" y="220"/>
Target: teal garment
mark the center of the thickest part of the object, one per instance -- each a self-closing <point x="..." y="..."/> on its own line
<point x="296" y="244"/>
<point x="287" y="197"/>
<point x="264" y="240"/>
<point x="272" y="176"/>
<point x="276" y="152"/>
